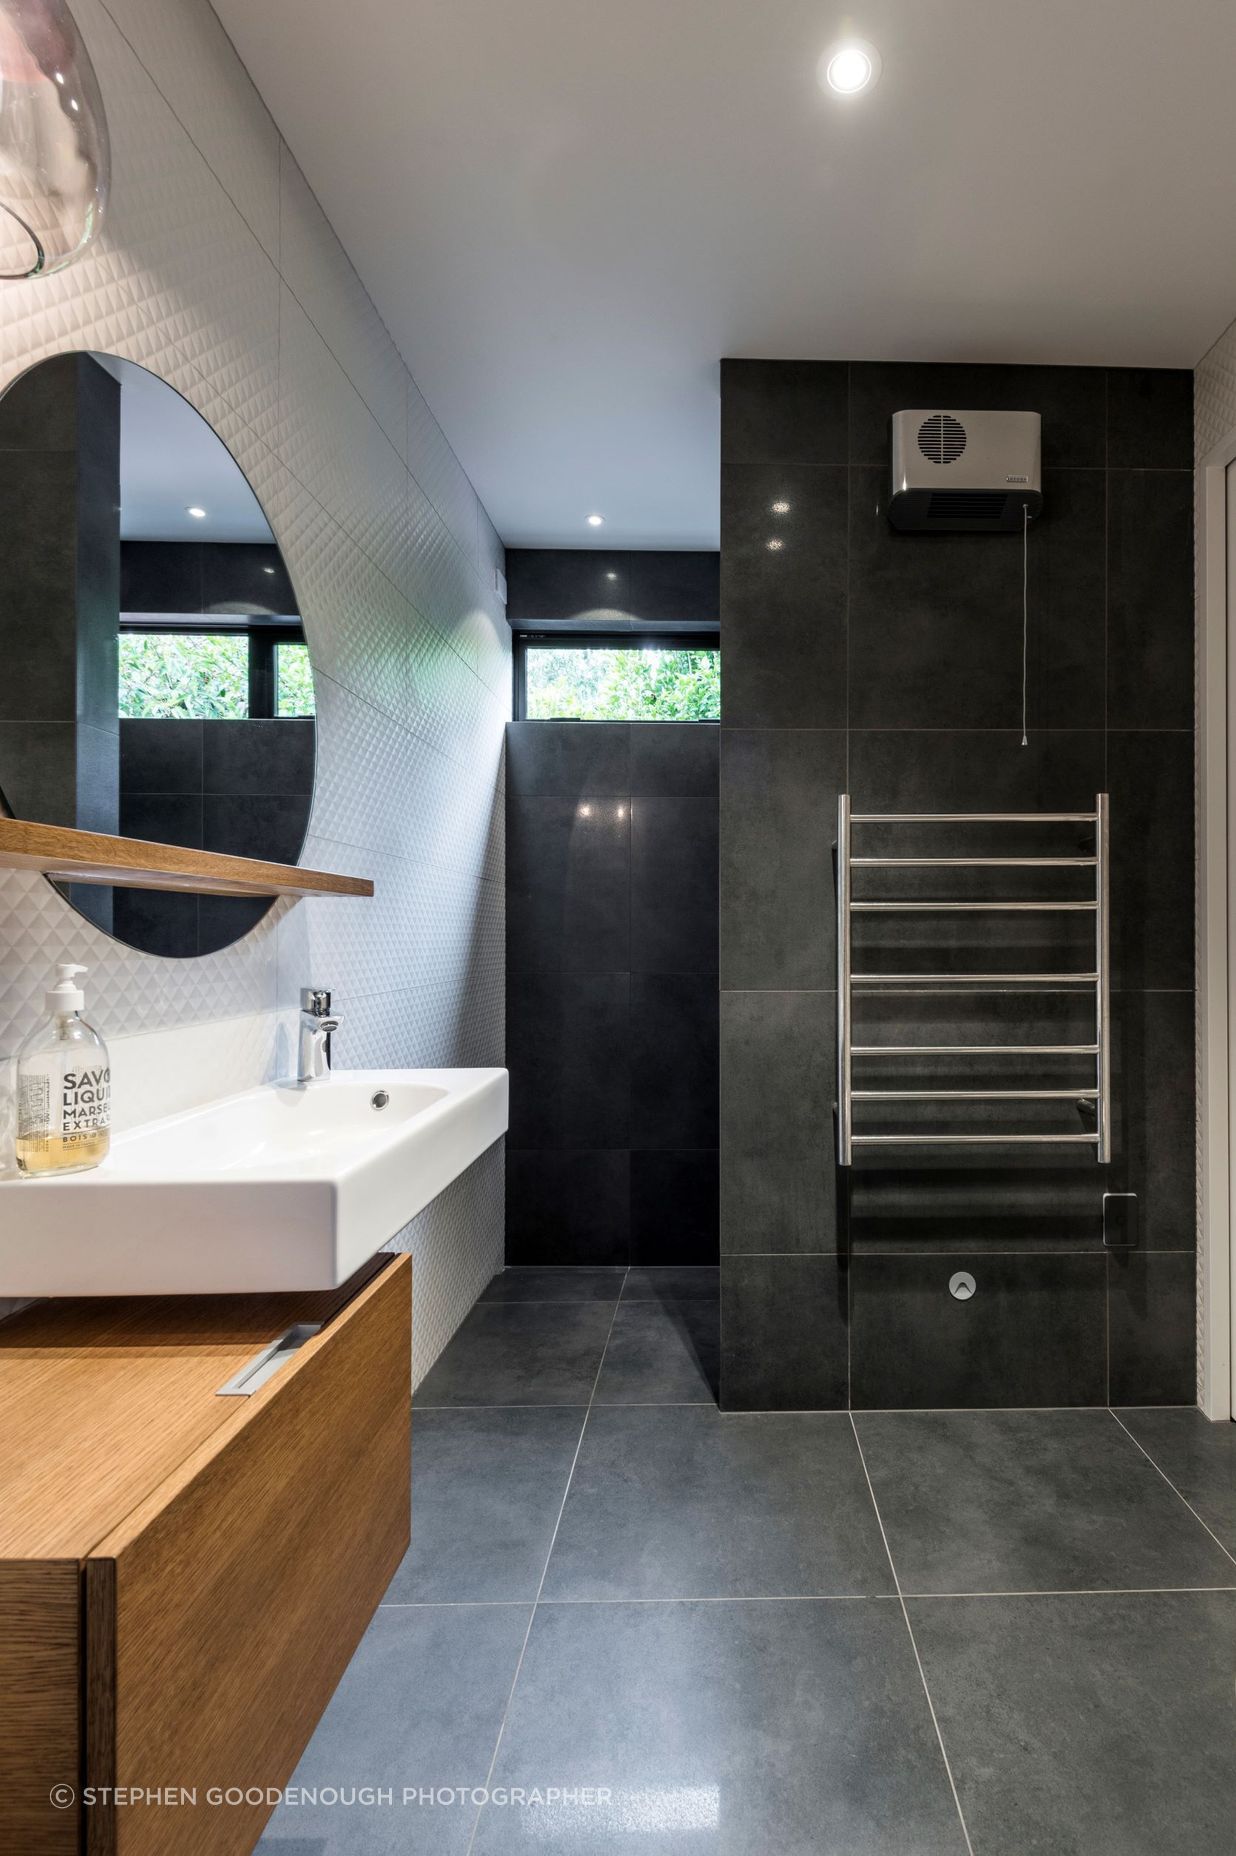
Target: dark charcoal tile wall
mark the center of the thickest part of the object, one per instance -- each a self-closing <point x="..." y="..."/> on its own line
<point x="244" y="788"/>
<point x="612" y="992"/>
<point x="587" y="589"/>
<point x="890" y="666"/>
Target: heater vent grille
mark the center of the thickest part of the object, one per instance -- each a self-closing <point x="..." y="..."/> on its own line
<point x="942" y="439"/>
<point x="966" y="506"/>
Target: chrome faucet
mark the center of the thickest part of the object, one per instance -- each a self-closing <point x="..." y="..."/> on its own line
<point x="316" y="1026"/>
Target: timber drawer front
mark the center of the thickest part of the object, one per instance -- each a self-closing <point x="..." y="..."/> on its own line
<point x="184" y="1575"/>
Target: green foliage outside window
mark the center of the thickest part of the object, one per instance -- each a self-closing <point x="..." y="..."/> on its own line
<point x="190" y="676"/>
<point x="615" y="683"/>
<point x="293" y="680"/>
<point x="180" y="675"/>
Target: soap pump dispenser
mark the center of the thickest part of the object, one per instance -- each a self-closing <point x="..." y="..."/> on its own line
<point x="64" y="1086"/>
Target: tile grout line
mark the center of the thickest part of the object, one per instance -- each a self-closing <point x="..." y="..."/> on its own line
<point x="922" y="1674"/>
<point x="808" y="1411"/>
<point x="807" y="1598"/>
<point x="553" y="1539"/>
<point x="1172" y="1486"/>
<point x="1080" y="1591"/>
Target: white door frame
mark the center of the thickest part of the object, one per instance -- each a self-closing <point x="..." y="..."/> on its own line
<point x="1215" y="915"/>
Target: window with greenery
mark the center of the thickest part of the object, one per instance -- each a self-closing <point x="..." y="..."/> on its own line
<point x="180" y="675"/>
<point x="190" y="675"/>
<point x="293" y="680"/>
<point x="621" y="682"/>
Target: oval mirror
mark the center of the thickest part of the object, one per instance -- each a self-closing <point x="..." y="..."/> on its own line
<point x="157" y="684"/>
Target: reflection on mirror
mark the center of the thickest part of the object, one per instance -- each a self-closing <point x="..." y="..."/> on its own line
<point x="157" y="680"/>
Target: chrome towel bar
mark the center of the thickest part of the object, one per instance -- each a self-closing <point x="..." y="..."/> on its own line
<point x="973" y="1140"/>
<point x="850" y="983"/>
<point x="974" y="1050"/>
<point x="973" y="1095"/>
<point x="972" y="818"/>
<point x="971" y="863"/>
<point x="976" y="908"/>
<point x="981" y="982"/>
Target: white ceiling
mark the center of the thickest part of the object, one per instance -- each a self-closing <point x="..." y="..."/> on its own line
<point x="170" y="459"/>
<point x="568" y="210"/>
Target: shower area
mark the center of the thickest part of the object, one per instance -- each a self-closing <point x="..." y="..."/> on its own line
<point x="956" y="897"/>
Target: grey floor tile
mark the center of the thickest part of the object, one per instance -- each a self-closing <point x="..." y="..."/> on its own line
<point x="684" y="1282"/>
<point x="520" y="1353"/>
<point x="685" y="1502"/>
<point x="420" y="1704"/>
<point x="1097" y="1724"/>
<point x="533" y="1283"/>
<point x="1029" y="1501"/>
<point x="1198" y="1457"/>
<point x="487" y="1488"/>
<point x="724" y="1730"/>
<point x="662" y="1354"/>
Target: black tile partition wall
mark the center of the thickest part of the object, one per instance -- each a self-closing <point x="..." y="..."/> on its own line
<point x="611" y="907"/>
<point x="218" y="786"/>
<point x="890" y="666"/>
<point x="587" y="589"/>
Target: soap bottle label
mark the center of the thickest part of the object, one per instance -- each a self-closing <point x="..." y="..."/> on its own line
<point x="86" y="1104"/>
<point x="33" y="1105"/>
<point x="68" y="1129"/>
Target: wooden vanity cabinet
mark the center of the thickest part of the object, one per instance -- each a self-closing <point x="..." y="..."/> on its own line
<point x="183" y="1575"/>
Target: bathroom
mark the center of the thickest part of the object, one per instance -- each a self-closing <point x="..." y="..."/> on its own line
<point x="613" y="791"/>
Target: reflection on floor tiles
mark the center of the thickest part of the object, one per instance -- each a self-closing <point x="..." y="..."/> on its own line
<point x="420" y="1705"/>
<point x="662" y="1353"/>
<point x="743" y="1728"/>
<point x="687" y="1282"/>
<point x="687" y="1502"/>
<point x="698" y="1647"/>
<point x="489" y="1488"/>
<point x="535" y="1284"/>
<point x="521" y="1353"/>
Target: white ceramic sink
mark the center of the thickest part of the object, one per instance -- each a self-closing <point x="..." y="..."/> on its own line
<point x="282" y="1187"/>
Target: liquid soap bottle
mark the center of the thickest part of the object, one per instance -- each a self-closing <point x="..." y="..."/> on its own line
<point x="64" y="1087"/>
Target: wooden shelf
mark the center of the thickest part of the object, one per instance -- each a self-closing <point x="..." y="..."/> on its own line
<point x="134" y="863"/>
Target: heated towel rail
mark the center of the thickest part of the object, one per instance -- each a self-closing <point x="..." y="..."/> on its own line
<point x="1098" y="978"/>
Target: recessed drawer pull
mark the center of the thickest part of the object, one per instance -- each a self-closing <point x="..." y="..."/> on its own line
<point x="264" y="1365"/>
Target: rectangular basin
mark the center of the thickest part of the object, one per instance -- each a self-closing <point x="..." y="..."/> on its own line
<point x="281" y="1187"/>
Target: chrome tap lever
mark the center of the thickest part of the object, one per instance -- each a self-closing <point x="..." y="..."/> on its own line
<point x="316" y="1027"/>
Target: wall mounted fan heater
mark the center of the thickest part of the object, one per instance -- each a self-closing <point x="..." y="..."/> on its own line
<point x="965" y="472"/>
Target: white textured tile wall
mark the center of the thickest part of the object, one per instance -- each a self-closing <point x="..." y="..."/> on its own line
<point x="220" y="272"/>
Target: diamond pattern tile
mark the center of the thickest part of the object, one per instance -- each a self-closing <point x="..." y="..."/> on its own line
<point x="492" y="553"/>
<point x="319" y="273"/>
<point x="439" y="473"/>
<point x="128" y="992"/>
<point x="1214" y="393"/>
<point x="456" y="1247"/>
<point x="332" y="443"/>
<point x="189" y="56"/>
<point x="266" y="329"/>
<point x="442" y="581"/>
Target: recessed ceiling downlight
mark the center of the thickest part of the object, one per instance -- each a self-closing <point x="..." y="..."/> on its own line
<point x="849" y="67"/>
<point x="595" y="521"/>
<point x="196" y="511"/>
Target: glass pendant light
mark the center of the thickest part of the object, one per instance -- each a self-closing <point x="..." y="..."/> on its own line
<point x="55" y="162"/>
